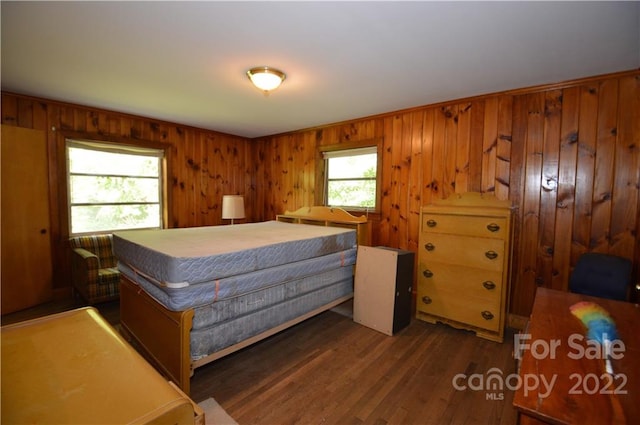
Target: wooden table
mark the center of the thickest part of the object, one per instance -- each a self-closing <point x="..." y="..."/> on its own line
<point x="74" y="368"/>
<point x="577" y="389"/>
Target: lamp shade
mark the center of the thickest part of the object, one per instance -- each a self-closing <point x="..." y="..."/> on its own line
<point x="232" y="207"/>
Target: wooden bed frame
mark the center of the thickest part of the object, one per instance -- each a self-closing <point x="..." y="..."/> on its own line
<point x="163" y="336"/>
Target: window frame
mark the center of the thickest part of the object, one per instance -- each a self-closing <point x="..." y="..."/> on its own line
<point x="322" y="175"/>
<point x="120" y="147"/>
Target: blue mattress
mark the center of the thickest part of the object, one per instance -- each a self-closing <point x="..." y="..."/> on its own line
<point x="216" y="291"/>
<point x="176" y="258"/>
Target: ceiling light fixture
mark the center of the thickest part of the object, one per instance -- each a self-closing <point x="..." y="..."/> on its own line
<point x="266" y="78"/>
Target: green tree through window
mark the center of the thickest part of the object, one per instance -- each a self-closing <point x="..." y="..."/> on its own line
<point x="113" y="187"/>
<point x="351" y="178"/>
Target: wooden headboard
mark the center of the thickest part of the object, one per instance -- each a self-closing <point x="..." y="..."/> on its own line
<point x="330" y="216"/>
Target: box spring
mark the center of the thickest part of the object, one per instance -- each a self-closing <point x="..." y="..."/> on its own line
<point x="177" y="299"/>
<point x="279" y="304"/>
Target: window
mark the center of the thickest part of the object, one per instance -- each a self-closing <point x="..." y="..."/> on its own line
<point x="351" y="177"/>
<point x="113" y="187"/>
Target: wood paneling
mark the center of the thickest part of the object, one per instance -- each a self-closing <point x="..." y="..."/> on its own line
<point x="566" y="156"/>
<point x="203" y="164"/>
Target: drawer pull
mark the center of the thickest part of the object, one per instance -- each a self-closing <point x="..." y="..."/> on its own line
<point x="491" y="255"/>
<point x="429" y="247"/>
<point x="487" y="315"/>
<point x="493" y="227"/>
<point x="427" y="273"/>
<point x="489" y="285"/>
<point x="427" y="300"/>
<point x="431" y="223"/>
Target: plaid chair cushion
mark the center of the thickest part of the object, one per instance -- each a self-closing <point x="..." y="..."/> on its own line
<point x="94" y="273"/>
<point x="100" y="245"/>
<point x="108" y="284"/>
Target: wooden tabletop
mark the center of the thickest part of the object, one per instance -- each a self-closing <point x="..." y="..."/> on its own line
<point x="74" y="368"/>
<point x="566" y="384"/>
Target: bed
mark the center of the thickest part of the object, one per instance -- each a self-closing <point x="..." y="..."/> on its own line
<point x="191" y="296"/>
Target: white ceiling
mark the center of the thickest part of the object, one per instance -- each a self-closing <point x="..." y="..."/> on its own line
<point x="185" y="62"/>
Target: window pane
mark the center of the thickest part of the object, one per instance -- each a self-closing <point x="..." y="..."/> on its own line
<point x="114" y="217"/>
<point x="87" y="161"/>
<point x="352" y="193"/>
<point x="351" y="179"/>
<point x="353" y="166"/>
<point x="107" y="189"/>
<point x="113" y="187"/>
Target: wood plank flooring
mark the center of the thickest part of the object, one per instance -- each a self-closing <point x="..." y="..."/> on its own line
<point x="330" y="370"/>
<point x="110" y="310"/>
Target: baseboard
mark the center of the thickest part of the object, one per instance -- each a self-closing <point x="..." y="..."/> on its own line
<point x="60" y="294"/>
<point x="515" y="321"/>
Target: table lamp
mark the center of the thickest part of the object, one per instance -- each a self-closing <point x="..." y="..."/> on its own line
<point x="232" y="207"/>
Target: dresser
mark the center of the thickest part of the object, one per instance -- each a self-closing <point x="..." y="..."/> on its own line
<point x="463" y="263"/>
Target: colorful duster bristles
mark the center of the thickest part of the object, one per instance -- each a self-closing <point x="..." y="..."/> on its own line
<point x="600" y="326"/>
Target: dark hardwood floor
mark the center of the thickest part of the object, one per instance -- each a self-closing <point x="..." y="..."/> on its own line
<point x="110" y="310"/>
<point x="331" y="370"/>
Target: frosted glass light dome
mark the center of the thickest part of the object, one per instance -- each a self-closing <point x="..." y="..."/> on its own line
<point x="266" y="78"/>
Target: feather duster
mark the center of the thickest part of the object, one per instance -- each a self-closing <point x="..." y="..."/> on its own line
<point x="600" y="327"/>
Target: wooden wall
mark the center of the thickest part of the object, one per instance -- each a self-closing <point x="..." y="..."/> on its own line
<point x="567" y="156"/>
<point x="203" y="164"/>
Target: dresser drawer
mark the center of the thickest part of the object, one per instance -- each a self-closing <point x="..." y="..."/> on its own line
<point x="447" y="303"/>
<point x="463" y="250"/>
<point x="470" y="225"/>
<point x="460" y="280"/>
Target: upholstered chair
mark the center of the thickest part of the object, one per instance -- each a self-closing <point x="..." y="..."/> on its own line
<point x="94" y="273"/>
<point x="602" y="275"/>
